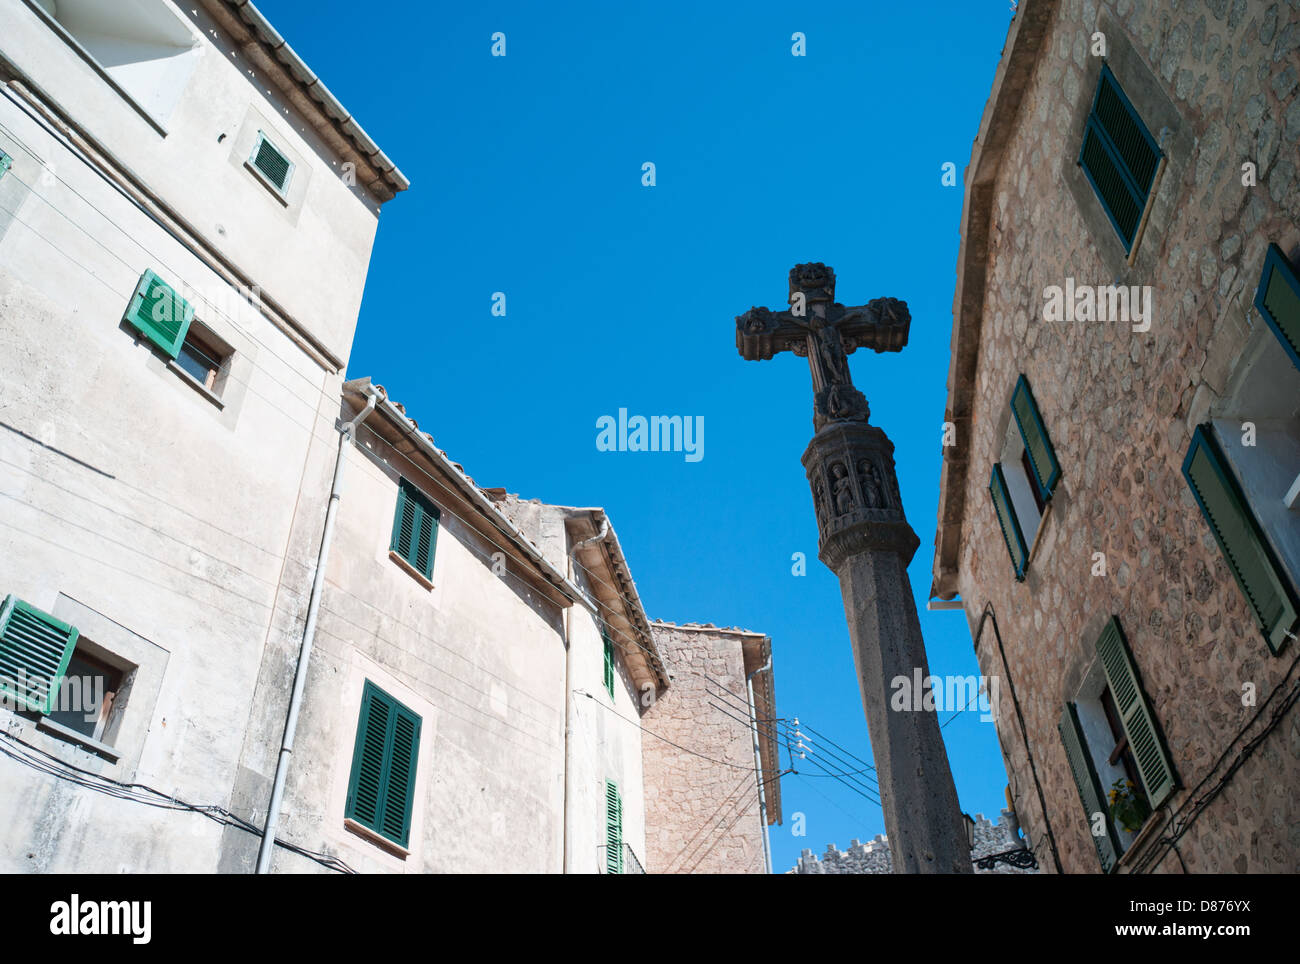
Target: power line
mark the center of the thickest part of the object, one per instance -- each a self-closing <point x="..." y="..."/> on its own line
<point x="37" y="759"/>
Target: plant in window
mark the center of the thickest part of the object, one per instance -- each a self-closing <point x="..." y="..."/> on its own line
<point x="1128" y="806"/>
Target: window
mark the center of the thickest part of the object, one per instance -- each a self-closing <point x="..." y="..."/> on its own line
<point x="1119" y="157"/>
<point x="609" y="661"/>
<point x="1023" y="481"/>
<point x="381" y="789"/>
<point x="1278" y="300"/>
<point x="271" y="164"/>
<point x="6" y="162"/>
<point x="1268" y="591"/>
<point x="159" y="314"/>
<point x="204" y="358"/>
<point x="1109" y="733"/>
<point x="613" y="829"/>
<point x="142" y="49"/>
<point x="415" y="530"/>
<point x="47" y="667"/>
<point x="92" y="686"/>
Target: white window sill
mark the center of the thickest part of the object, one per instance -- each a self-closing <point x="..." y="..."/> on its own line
<point x="397" y="850"/>
<point x="1148" y="828"/>
<point x="90" y="745"/>
<point x="266" y="181"/>
<point x="411" y="570"/>
<point x="197" y="385"/>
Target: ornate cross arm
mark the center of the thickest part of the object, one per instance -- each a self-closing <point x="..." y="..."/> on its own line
<point x="819" y="328"/>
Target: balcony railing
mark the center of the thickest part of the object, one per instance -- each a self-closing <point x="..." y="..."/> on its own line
<point x="631" y="863"/>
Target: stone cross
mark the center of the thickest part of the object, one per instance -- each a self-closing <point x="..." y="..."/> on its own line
<point x="865" y="539"/>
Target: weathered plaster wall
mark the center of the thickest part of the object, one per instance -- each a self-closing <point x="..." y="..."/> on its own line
<point x="312" y="255"/>
<point x="1120" y="407"/>
<point x="480" y="657"/>
<point x="124" y="490"/>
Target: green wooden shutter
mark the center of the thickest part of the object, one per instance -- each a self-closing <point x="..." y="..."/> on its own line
<point x="1011" y="532"/>
<point x="609" y="661"/>
<point x="1119" y="157"/>
<point x="381" y="788"/>
<point x="1278" y="299"/>
<point x="159" y="313"/>
<point x="613" y="828"/>
<point x="1090" y="794"/>
<point x="6" y="162"/>
<point x="1042" y="456"/>
<point x="271" y="162"/>
<point x="1155" y="768"/>
<point x="415" y="528"/>
<point x="1268" y="591"/>
<point x="34" y="652"/>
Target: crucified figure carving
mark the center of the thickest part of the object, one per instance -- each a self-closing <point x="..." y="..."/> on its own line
<point x="826" y="333"/>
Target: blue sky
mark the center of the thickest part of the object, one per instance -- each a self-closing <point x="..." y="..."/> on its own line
<point x="526" y="179"/>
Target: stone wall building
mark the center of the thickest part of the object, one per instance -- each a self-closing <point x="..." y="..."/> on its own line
<point x="1119" y="511"/>
<point x="704" y="812"/>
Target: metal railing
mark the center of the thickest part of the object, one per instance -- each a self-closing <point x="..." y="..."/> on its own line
<point x="631" y="863"/>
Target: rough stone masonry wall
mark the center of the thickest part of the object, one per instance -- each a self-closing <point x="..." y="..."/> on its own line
<point x="1120" y="407"/>
<point x="873" y="856"/>
<point x="702" y="817"/>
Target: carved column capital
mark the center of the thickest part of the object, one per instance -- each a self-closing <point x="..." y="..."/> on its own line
<point x="850" y="468"/>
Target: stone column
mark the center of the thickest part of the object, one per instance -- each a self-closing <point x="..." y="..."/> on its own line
<point x="865" y="539"/>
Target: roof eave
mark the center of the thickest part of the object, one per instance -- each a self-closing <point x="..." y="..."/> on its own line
<point x="489" y="514"/>
<point x="290" y="73"/>
<point x="1015" y="71"/>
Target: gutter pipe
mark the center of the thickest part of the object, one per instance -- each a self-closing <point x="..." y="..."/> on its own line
<point x="346" y="434"/>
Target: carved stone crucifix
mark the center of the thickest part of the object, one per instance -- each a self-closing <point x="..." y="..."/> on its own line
<point x="864" y="538"/>
<point x="825" y="332"/>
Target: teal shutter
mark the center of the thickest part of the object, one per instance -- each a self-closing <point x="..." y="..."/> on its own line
<point x="1119" y="157"/>
<point x="1015" y="539"/>
<point x="1268" y="591"/>
<point x="1278" y="299"/>
<point x="381" y="788"/>
<point x="6" y="162"/>
<point x="34" y="652"/>
<point x="609" y="661"/>
<point x="1155" y="768"/>
<point x="415" y="528"/>
<point x="271" y="162"/>
<point x="159" y="314"/>
<point x="1085" y="780"/>
<point x="1042" y="457"/>
<point x="613" y="829"/>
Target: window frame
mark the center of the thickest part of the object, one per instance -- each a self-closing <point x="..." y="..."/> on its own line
<point x="1204" y="440"/>
<point x="281" y="191"/>
<point x="351" y="818"/>
<point x="1093" y="125"/>
<point x="613" y="828"/>
<point x="425" y="507"/>
<point x="1276" y="263"/>
<point x="610" y="670"/>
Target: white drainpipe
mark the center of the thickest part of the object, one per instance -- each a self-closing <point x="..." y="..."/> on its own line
<point x="758" y="763"/>
<point x="346" y="434"/>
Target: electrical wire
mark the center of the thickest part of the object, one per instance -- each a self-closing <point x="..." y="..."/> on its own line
<point x="46" y="763"/>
